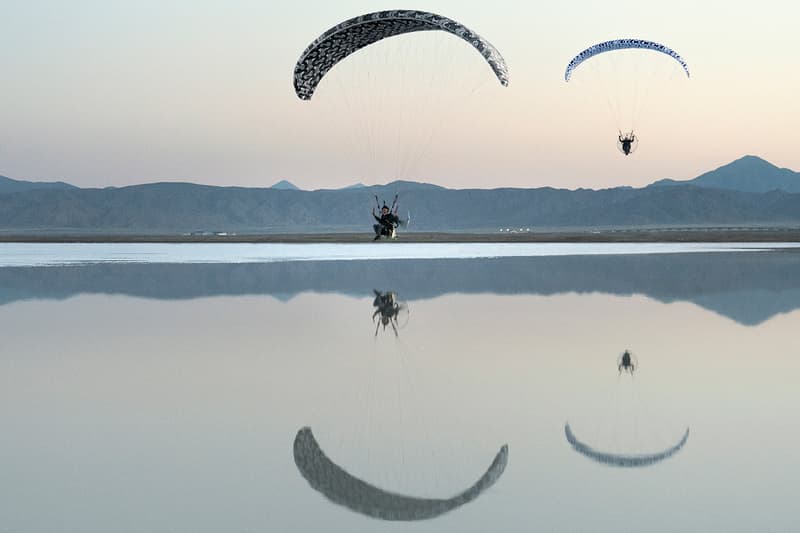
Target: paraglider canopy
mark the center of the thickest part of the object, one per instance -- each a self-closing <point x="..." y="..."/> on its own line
<point x="351" y="35"/>
<point x="626" y="74"/>
<point x="622" y="44"/>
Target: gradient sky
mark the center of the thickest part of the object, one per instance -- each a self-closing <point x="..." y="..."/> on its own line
<point x="118" y="92"/>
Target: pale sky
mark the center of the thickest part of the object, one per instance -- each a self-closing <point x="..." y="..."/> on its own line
<point x="103" y="93"/>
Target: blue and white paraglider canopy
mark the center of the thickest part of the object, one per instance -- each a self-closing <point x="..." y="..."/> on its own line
<point x="622" y="44"/>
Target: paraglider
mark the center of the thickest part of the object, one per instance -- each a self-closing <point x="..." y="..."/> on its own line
<point x="626" y="86"/>
<point x="387" y="222"/>
<point x="342" y="488"/>
<point x="354" y="34"/>
<point x="627" y="142"/>
<point x="388" y="84"/>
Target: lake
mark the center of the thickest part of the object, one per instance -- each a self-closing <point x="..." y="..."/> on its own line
<point x="453" y="388"/>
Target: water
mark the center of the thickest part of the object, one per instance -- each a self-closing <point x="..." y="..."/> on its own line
<point x="168" y="397"/>
<point x="35" y="254"/>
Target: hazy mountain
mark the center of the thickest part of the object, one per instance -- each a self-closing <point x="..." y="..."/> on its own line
<point x="748" y="174"/>
<point x="746" y="287"/>
<point x="285" y="185"/>
<point x="8" y="185"/>
<point x="183" y="207"/>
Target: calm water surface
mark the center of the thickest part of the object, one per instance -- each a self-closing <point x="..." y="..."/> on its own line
<point x="47" y="254"/>
<point x="258" y="396"/>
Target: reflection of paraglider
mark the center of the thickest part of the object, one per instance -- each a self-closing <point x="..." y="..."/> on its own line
<point x="388" y="311"/>
<point x="626" y="86"/>
<point x="374" y="424"/>
<point x="627" y="362"/>
<point x="623" y="429"/>
<point x="342" y="488"/>
<point x="632" y="460"/>
<point x="351" y="35"/>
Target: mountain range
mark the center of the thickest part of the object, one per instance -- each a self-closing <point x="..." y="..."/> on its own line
<point x="748" y="288"/>
<point x="749" y="191"/>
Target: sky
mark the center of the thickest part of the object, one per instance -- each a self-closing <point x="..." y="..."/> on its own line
<point x="111" y="93"/>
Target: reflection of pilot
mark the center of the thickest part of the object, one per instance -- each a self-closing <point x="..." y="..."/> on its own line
<point x="387" y="308"/>
<point x="626" y="362"/>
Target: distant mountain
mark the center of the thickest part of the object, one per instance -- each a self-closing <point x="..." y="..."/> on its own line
<point x="8" y="185"/>
<point x="186" y="207"/>
<point x="748" y="174"/>
<point x="358" y="185"/>
<point x="285" y="185"/>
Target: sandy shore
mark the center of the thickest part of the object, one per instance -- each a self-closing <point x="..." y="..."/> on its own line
<point x="640" y="235"/>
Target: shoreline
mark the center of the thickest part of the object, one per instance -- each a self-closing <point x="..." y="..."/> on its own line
<point x="598" y="236"/>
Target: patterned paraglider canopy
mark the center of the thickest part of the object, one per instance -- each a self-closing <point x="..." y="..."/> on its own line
<point x="622" y="44"/>
<point x="351" y="35"/>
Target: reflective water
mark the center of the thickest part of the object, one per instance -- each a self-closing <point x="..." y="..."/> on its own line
<point x="277" y="396"/>
<point x="48" y="254"/>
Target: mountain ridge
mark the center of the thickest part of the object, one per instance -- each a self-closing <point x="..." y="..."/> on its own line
<point x="169" y="207"/>
<point x="10" y="185"/>
<point x="285" y="185"/>
<point x="747" y="174"/>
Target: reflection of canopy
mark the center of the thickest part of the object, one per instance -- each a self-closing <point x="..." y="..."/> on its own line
<point x="622" y="44"/>
<point x="343" y="489"/>
<point x="622" y="460"/>
<point x="352" y="35"/>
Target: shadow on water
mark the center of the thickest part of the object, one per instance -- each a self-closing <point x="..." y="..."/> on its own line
<point x="749" y="288"/>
